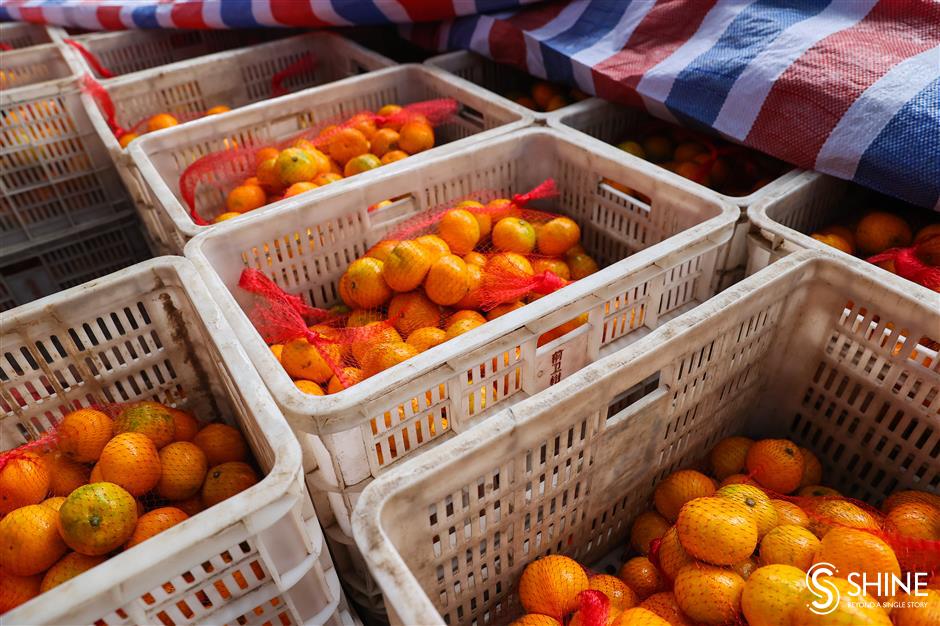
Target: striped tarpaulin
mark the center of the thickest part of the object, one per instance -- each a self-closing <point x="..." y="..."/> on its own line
<point x="847" y="87"/>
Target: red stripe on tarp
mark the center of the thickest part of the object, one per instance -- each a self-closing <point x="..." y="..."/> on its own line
<point x="425" y="35"/>
<point x="295" y="13"/>
<point x="188" y="15"/>
<point x="32" y="14"/>
<point x="110" y="17"/>
<point x="507" y="40"/>
<point x="662" y="31"/>
<point x="813" y="94"/>
<point x="424" y="11"/>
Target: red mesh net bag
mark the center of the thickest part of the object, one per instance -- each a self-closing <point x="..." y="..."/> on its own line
<point x="105" y="479"/>
<point x="242" y="178"/>
<point x="919" y="263"/>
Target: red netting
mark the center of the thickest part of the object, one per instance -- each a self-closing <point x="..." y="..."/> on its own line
<point x="919" y="263"/>
<point x="306" y="63"/>
<point x="251" y="176"/>
<point x="104" y="479"/>
<point x="91" y="58"/>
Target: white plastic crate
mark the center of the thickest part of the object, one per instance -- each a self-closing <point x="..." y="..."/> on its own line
<point x="92" y="250"/>
<point x="811" y="349"/>
<point x="233" y="78"/>
<point x="17" y="35"/>
<point x="55" y="174"/>
<point x="161" y="158"/>
<point x="152" y="332"/>
<point x="123" y="52"/>
<point x="660" y="262"/>
<point x="31" y="66"/>
<point x="498" y="78"/>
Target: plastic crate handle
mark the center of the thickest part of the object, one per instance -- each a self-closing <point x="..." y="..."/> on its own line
<point x="639" y="406"/>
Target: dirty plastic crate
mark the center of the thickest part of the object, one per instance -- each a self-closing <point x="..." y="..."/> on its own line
<point x="55" y="174"/>
<point x="498" y="78"/>
<point x="151" y="332"/>
<point x="611" y="123"/>
<point x="18" y="35"/>
<point x="233" y="78"/>
<point x="161" y="158"/>
<point x="123" y="52"/>
<point x="810" y="349"/>
<point x="31" y="66"/>
<point x="95" y="249"/>
<point x="660" y="261"/>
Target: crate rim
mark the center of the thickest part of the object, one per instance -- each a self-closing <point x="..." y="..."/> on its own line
<point x="275" y="489"/>
<point x="333" y="412"/>
<point x="775" y="188"/>
<point x="44" y="89"/>
<point x="386" y="564"/>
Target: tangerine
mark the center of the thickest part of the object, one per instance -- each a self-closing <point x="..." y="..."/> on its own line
<point x="812" y="468"/>
<point x="879" y="230"/>
<point x="620" y="595"/>
<point x="411" y="311"/>
<point x="771" y="594"/>
<point x="367" y="288"/>
<point x="789" y="545"/>
<point x="550" y="586"/>
<point x="513" y="234"/>
<point x="642" y="577"/>
<point x="474" y="282"/>
<point x="435" y="246"/>
<point x="223" y="217"/>
<point x="393" y="155"/>
<point x="826" y="514"/>
<point x="534" y="619"/>
<point x="154" y="523"/>
<point x="415" y="137"/>
<point x="847" y="608"/>
<point x="708" y="594"/>
<point x="921" y="609"/>
<point x="555" y="266"/>
<point x="672" y="556"/>
<point x="185" y="426"/>
<point x="789" y="513"/>
<point x="765" y="515"/>
<point x="353" y="376"/>
<point x="677" y="489"/>
<point x="834" y="241"/>
<point x="65" y="476"/>
<point x="728" y="456"/>
<point x="383" y="142"/>
<point x="24" y="480"/>
<point x="245" y="198"/>
<point x="446" y="281"/>
<point x="16" y="590"/>
<point x="542" y="93"/>
<point x="226" y="480"/>
<point x="460" y="230"/>
<point x="639" y="617"/>
<point x="557" y="236"/>
<point x="302" y="360"/>
<point x="127" y="138"/>
<point x="664" y="605"/>
<point x="299" y="188"/>
<point x="581" y="265"/>
<point x="462" y="326"/>
<point x="55" y="503"/>
<point x="407" y="265"/>
<point x="148" y="418"/>
<point x="67" y="568"/>
<point x="903" y="497"/>
<point x="325" y="178"/>
<point x="309" y="387"/>
<point x="29" y="540"/>
<point x="776" y="464"/>
<point x="221" y="443"/>
<point x="648" y="526"/>
<point x="161" y="121"/>
<point x="386" y="355"/>
<point x="374" y="334"/>
<point x="503" y="309"/>
<point x="267" y="175"/>
<point x="474" y="258"/>
<point x="131" y="461"/>
<point x="426" y="338"/>
<point x="183" y="467"/>
<point x="83" y="434"/>
<point x="361" y="163"/>
<point x="295" y="165"/>
<point x="849" y="550"/>
<point x="382" y="249"/>
<point x="915" y="520"/>
<point x="346" y="143"/>
<point x="717" y="530"/>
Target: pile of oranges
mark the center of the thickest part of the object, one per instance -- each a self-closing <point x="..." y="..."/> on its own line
<point x="161" y="121"/>
<point x="734" y="548"/>
<point x="356" y="146"/>
<point x="545" y="97"/>
<point x="417" y="293"/>
<point x="102" y="484"/>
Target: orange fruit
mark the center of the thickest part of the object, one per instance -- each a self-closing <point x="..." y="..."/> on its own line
<point x="221" y="108"/>
<point x="161" y="121"/>
<point x="474" y="282"/>
<point x="309" y="387"/>
<point x="708" y="594"/>
<point x="383" y="141"/>
<point x="642" y="577"/>
<point x="302" y="360"/>
<point x="411" y="311"/>
<point x="648" y="526"/>
<point x="353" y="376"/>
<point x="474" y="258"/>
<point x="789" y="545"/>
<point x="366" y="286"/>
<point x="131" y="461"/>
<point x="639" y="617"/>
<point x="408" y="263"/>
<point x="83" y="434"/>
<point x="818" y="491"/>
<point x="345" y="144"/>
<point x="393" y="155"/>
<point x="717" y="530"/>
<point x="127" y="138"/>
<point x="812" y="469"/>
<point x="789" y="513"/>
<point x="513" y="234"/>
<point x="771" y="593"/>
<point x="462" y="326"/>
<point x="382" y="249"/>
<point x="776" y="464"/>
<point x="446" y="281"/>
<point x="294" y="165"/>
<point x="849" y="550"/>
<point x="416" y="137"/>
<point x="483" y="218"/>
<point x="542" y="93"/>
<point x="460" y="230"/>
<point x="534" y="619"/>
<point x="55" y="503"/>
<point x="65" y="475"/>
<point x="581" y="265"/>
<point x="386" y="355"/>
<point x="245" y="198"/>
<point x="388" y="110"/>
<point x="29" y="540"/>
<point x="664" y="605"/>
<point x="361" y="317"/>
<point x="360" y="164"/>
<point x="267" y="175"/>
<point x="325" y="178"/>
<point x="154" y="523"/>
<point x="464" y="314"/>
<point x="183" y="467"/>
<point x="903" y="497"/>
<point x="842" y="232"/>
<point x="266" y="153"/>
<point x="24" y="480"/>
<point x="95" y="476"/>
<point x="373" y="334"/>
<point x="225" y="216"/>
<point x="879" y="230"/>
<point x="847" y="608"/>
<point x="677" y="489"/>
<point x="927" y="231"/>
<point x="555" y="266"/>
<point x="226" y="480"/>
<point x="916" y="520"/>
<point x="16" y="590"/>
<point x="556" y="103"/>
<point x="221" y="443"/>
<point x="672" y="556"/>
<point x="917" y="610"/>
<point x="426" y="338"/>
<point x="185" y="426"/>
<point x="745" y="567"/>
<point x="620" y="595"/>
<point x="826" y="514"/>
<point x="148" y="418"/>
<point x="508" y="263"/>
<point x="550" y="586"/>
<point x="435" y="246"/>
<point x="68" y="567"/>
<point x="299" y="188"/>
<point x="557" y="236"/>
<point x="834" y="241"/>
<point x="757" y="502"/>
<point x="728" y="455"/>
<point x="503" y="309"/>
